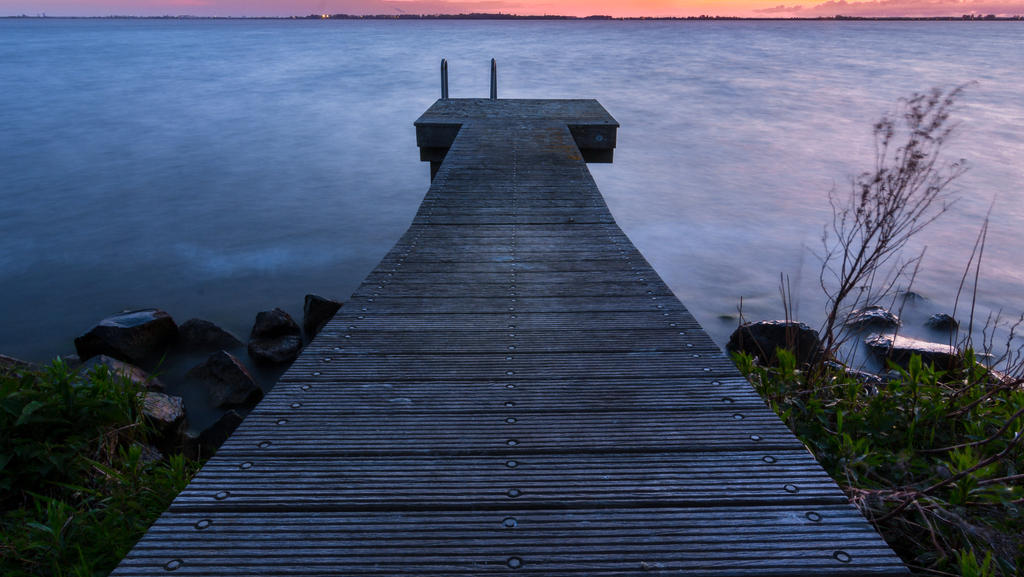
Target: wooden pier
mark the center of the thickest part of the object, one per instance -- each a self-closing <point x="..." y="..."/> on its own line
<point x="512" y="390"/>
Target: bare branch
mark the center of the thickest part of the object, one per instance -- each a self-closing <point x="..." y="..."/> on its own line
<point x="904" y="193"/>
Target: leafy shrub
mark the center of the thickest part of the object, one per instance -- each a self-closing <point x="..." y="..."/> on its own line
<point x="76" y="487"/>
<point x="933" y="459"/>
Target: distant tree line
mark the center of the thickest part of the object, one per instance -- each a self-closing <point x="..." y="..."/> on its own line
<point x="504" y="16"/>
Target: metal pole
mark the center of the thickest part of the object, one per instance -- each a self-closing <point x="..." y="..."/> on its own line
<point x="494" y="80"/>
<point x="444" y="78"/>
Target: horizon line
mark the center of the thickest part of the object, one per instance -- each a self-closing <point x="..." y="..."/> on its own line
<point x="511" y="16"/>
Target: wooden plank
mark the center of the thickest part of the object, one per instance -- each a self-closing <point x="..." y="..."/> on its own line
<point x="785" y="478"/>
<point x="525" y="277"/>
<point x="727" y="541"/>
<point x="527" y="366"/>
<point x="305" y="431"/>
<point x="589" y="395"/>
<point x="671" y="315"/>
<point x="448" y="341"/>
<point x="612" y="264"/>
<point x="577" y="231"/>
<point x="499" y="290"/>
<point x="384" y="305"/>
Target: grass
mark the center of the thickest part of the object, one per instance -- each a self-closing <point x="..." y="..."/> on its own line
<point x="933" y="459"/>
<point x="77" y="486"/>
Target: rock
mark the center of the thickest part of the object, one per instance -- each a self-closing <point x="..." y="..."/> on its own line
<point x="763" y="337"/>
<point x="167" y="410"/>
<point x="999" y="378"/>
<point x="13" y="365"/>
<point x="132" y="336"/>
<point x="873" y="316"/>
<point x="149" y="453"/>
<point x="202" y="335"/>
<point x="864" y="377"/>
<point x="942" y="322"/>
<point x="190" y="446"/>
<point x="214" y="436"/>
<point x="228" y="383"/>
<point x="272" y="324"/>
<point x="316" y="311"/>
<point x="900" y="349"/>
<point x="165" y="415"/>
<point x="275" y="338"/>
<point x="140" y="378"/>
<point x="276" y="351"/>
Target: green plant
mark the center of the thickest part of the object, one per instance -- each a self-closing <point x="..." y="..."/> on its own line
<point x="51" y="419"/>
<point x="76" y="488"/>
<point x="932" y="458"/>
<point x="970" y="566"/>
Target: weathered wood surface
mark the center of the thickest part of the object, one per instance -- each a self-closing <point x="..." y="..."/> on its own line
<point x="513" y="389"/>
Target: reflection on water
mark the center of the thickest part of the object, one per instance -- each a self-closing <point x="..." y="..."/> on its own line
<point x="216" y="169"/>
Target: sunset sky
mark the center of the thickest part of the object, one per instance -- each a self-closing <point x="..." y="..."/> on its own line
<point x="747" y="8"/>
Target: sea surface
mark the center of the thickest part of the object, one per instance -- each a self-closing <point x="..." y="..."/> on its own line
<point x="218" y="168"/>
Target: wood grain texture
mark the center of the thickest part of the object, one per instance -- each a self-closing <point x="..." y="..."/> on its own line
<point x="513" y="389"/>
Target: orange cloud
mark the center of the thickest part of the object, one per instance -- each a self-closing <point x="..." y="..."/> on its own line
<point x="916" y="8"/>
<point x="781" y="10"/>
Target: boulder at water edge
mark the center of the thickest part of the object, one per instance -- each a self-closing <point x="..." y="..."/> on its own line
<point x="165" y="414"/>
<point x="763" y="337"/>
<point x="275" y="338"/>
<point x="873" y="316"/>
<point x="140" y="378"/>
<point x="214" y="436"/>
<point x="202" y="335"/>
<point x="900" y="349"/>
<point x="942" y="322"/>
<point x="316" y="311"/>
<point x="12" y="365"/>
<point x="203" y="445"/>
<point x="133" y="336"/>
<point x="73" y="361"/>
<point x="227" y="382"/>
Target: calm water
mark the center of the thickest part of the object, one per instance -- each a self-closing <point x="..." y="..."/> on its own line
<point x="216" y="169"/>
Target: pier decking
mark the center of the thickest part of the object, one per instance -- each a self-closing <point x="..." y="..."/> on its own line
<point x="512" y="390"/>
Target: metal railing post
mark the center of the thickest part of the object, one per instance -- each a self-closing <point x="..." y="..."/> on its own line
<point x="444" y="78"/>
<point x="494" y="80"/>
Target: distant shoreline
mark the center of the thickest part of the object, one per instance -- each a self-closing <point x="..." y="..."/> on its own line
<point x="500" y="16"/>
